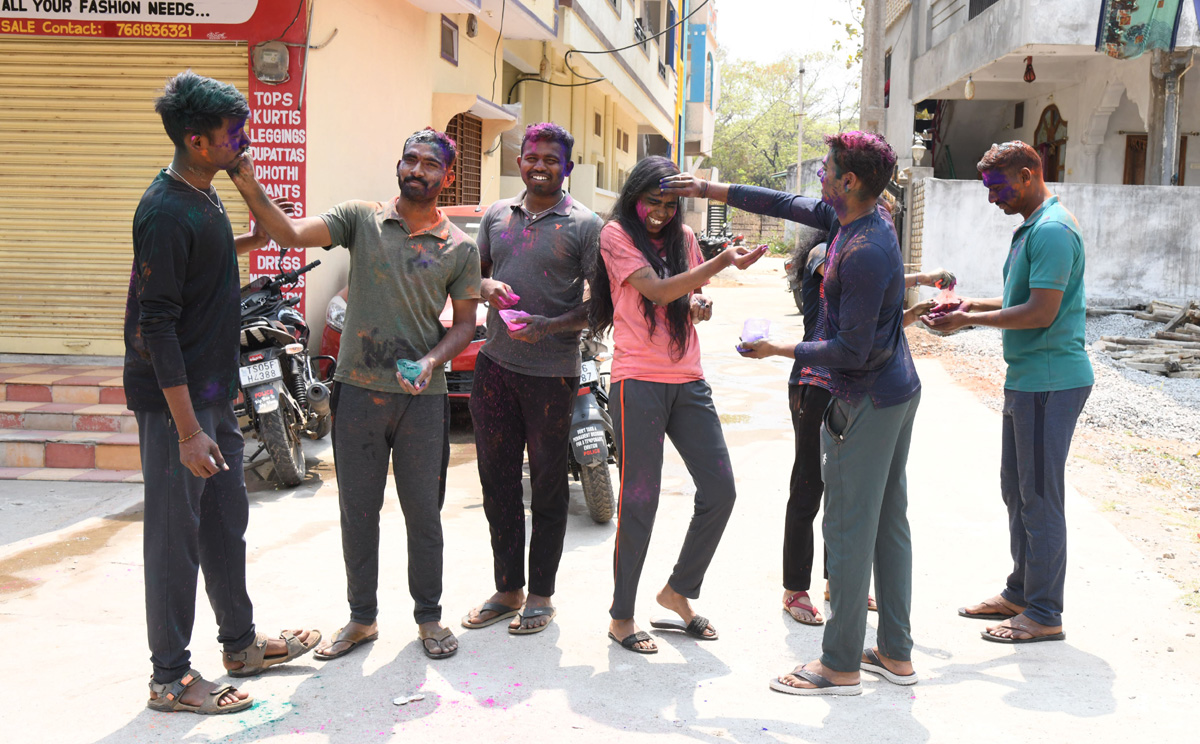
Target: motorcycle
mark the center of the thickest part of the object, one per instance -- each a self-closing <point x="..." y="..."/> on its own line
<point x="282" y="399"/>
<point x="713" y="243"/>
<point x="592" y="446"/>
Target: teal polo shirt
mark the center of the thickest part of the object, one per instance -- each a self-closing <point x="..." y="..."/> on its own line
<point x="1047" y="253"/>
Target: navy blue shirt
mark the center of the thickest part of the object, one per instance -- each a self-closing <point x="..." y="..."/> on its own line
<point x="865" y="348"/>
<point x="814" y="213"/>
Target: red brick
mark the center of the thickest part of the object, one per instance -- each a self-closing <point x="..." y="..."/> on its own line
<point x="112" y="395"/>
<point x="12" y="421"/>
<point x="35" y="393"/>
<point x="66" y="455"/>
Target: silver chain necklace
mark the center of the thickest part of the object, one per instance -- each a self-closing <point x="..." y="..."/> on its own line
<point x="207" y="195"/>
<point x="535" y="215"/>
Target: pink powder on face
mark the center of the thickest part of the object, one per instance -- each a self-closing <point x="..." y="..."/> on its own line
<point x="642" y="211"/>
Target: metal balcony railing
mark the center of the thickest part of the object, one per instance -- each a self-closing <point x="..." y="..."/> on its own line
<point x="639" y="32"/>
<point x="978" y="6"/>
<point x="662" y="70"/>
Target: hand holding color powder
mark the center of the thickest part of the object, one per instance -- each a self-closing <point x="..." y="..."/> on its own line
<point x="754" y="329"/>
<point x="513" y="319"/>
<point x="505" y="300"/>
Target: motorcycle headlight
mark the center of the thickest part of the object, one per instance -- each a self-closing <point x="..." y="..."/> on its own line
<point x="335" y="315"/>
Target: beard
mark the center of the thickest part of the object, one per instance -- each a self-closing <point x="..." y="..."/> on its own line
<point x="418" y="191"/>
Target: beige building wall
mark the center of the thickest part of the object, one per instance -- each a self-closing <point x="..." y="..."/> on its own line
<point x="371" y="87"/>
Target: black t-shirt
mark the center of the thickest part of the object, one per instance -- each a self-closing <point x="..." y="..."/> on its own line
<point x="182" y="314"/>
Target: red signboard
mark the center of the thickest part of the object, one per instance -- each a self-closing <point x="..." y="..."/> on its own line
<point x="277" y="123"/>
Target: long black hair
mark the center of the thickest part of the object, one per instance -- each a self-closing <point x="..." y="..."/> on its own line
<point x="644" y="177"/>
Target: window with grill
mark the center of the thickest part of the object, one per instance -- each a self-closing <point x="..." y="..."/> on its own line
<point x="978" y="6"/>
<point x="467" y="130"/>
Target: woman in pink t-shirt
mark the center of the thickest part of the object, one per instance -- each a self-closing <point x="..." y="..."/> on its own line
<point x="645" y="285"/>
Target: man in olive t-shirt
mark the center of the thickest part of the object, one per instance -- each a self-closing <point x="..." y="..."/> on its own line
<point x="1048" y="381"/>
<point x="406" y="258"/>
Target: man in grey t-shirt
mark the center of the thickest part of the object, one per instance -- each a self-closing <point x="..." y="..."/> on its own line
<point x="532" y="249"/>
<point x="406" y="258"/>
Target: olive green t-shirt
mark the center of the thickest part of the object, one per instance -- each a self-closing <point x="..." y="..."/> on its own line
<point x="399" y="282"/>
<point x="1047" y="253"/>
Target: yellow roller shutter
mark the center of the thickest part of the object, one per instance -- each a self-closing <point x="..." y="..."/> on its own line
<point x="79" y="143"/>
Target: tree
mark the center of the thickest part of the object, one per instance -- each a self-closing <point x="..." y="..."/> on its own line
<point x="754" y="137"/>
<point x="853" y="46"/>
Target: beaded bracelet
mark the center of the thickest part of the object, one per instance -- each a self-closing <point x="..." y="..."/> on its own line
<point x="190" y="436"/>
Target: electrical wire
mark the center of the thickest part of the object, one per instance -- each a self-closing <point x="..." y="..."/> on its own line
<point x="299" y="7"/>
<point x="594" y="80"/>
<point x="496" y="50"/>
<point x="680" y="22"/>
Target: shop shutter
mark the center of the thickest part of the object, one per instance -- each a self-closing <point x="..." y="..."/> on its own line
<point x="79" y="144"/>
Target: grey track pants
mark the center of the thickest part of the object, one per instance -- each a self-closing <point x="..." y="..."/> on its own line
<point x="864" y="452"/>
<point x="413" y="432"/>
<point x="644" y="413"/>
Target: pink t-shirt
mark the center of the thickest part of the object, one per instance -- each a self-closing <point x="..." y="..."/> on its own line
<point x="636" y="354"/>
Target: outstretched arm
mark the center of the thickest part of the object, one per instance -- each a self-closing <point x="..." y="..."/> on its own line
<point x="306" y="232"/>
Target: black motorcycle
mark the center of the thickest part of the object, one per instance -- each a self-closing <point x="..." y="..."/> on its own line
<point x="592" y="446"/>
<point x="282" y="399"/>
<point x="713" y="243"/>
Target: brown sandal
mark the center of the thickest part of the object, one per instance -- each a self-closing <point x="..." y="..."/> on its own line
<point x="437" y="637"/>
<point x="169" y="697"/>
<point x="255" y="661"/>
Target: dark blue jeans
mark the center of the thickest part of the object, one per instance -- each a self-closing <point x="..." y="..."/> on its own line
<point x="1037" y="436"/>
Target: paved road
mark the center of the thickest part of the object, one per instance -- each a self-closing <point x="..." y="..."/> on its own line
<point x="75" y="665"/>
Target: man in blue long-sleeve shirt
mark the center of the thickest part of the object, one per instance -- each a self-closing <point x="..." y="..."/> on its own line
<point x="875" y="395"/>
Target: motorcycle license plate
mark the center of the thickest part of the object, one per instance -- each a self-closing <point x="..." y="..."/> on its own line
<point x="261" y="372"/>
<point x="589" y="373"/>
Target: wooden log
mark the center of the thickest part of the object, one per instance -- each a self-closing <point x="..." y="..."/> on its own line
<point x="1187" y="374"/>
<point x="1154" y="369"/>
<point x="1097" y="311"/>
<point x="1168" y="336"/>
<point x="1127" y="341"/>
<point x="1180" y="317"/>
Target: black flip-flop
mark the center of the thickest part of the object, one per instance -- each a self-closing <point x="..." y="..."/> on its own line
<point x="528" y="612"/>
<point x="503" y="612"/>
<point x="442" y="635"/>
<point x="695" y="628"/>
<point x="630" y="642"/>
<point x="874" y="665"/>
<point x="318" y="654"/>
<point x="823" y="685"/>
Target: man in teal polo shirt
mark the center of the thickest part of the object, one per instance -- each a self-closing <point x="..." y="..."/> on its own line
<point x="1048" y="381"/>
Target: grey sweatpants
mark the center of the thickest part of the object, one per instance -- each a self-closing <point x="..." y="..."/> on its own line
<point x="644" y="413"/>
<point x="864" y="452"/>
<point x="413" y="432"/>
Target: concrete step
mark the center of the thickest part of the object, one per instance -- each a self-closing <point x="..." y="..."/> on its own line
<point x="80" y="450"/>
<point x="78" y="475"/>
<point x="16" y="414"/>
<point x="56" y="383"/>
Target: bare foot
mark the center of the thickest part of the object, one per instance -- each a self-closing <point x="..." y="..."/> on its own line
<point x="1022" y="628"/>
<point x="276" y="647"/>
<point x="838" y="678"/>
<point x="622" y="629"/>
<point x="426" y="631"/>
<point x="197" y="693"/>
<point x="801" y="607"/>
<point x="351" y="634"/>
<point x="534" y="600"/>
<point x="899" y="668"/>
<point x="680" y="605"/>
<point x="509" y="599"/>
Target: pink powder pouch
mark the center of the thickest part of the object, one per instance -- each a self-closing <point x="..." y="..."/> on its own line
<point x="513" y="319"/>
<point x="506" y="301"/>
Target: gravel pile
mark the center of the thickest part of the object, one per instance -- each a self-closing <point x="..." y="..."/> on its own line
<point x="1122" y="399"/>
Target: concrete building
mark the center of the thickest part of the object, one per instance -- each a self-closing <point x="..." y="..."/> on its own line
<point x="964" y="74"/>
<point x="328" y="122"/>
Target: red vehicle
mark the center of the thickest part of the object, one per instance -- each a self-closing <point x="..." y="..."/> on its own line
<point x="460" y="371"/>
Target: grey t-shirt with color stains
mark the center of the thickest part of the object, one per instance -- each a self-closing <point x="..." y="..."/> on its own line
<point x="399" y="282"/>
<point x="543" y="261"/>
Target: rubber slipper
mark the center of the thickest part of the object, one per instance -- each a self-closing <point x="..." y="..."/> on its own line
<point x="695" y="628"/>
<point x="1001" y="613"/>
<point x="630" y="642"/>
<point x="794" y="601"/>
<point x="337" y="638"/>
<point x="503" y="611"/>
<point x="873" y="664"/>
<point x="1035" y="639"/>
<point x="437" y="637"/>
<point x="527" y="612"/>
<point x="823" y="685"/>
